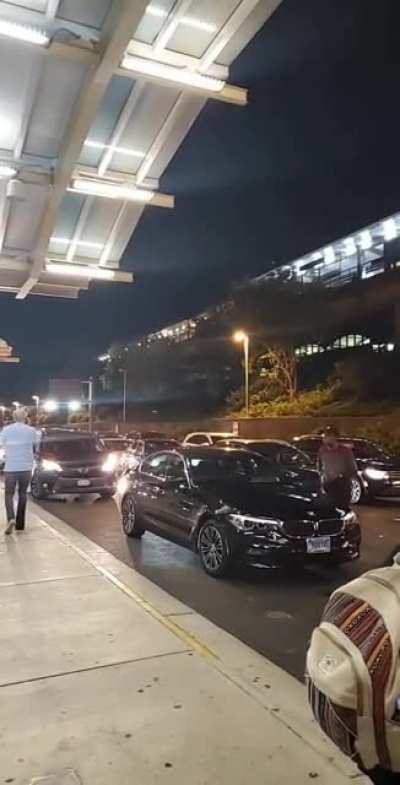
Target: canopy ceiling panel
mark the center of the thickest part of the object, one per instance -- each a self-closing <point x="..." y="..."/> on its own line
<point x="96" y="97"/>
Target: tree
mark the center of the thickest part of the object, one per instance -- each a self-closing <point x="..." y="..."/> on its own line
<point x="279" y="371"/>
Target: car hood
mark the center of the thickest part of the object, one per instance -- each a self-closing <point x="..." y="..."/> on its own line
<point x="262" y="498"/>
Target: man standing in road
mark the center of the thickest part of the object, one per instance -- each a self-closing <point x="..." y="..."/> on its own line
<point x="338" y="467"/>
<point x="19" y="442"/>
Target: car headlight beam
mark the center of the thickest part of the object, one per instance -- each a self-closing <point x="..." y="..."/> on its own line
<point x="376" y="474"/>
<point x="245" y="523"/>
<point x="50" y="466"/>
<point x="111" y="463"/>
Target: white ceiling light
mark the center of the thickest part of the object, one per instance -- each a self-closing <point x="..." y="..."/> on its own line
<point x="80" y="271"/>
<point x="123" y="150"/>
<point x="189" y="21"/>
<point x="31" y="35"/>
<point x="329" y="255"/>
<point x="172" y="74"/>
<point x="366" y="240"/>
<point x="111" y="191"/>
<point x="84" y="243"/>
<point x="389" y="230"/>
<point x="7" y="171"/>
<point x="350" y="247"/>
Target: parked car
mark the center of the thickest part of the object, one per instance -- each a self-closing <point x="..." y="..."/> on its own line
<point x="204" y="438"/>
<point x="135" y="435"/>
<point x="144" y="447"/>
<point x="228" y="506"/>
<point x="291" y="465"/>
<point x="378" y="472"/>
<point x="120" y="448"/>
<point x="70" y="462"/>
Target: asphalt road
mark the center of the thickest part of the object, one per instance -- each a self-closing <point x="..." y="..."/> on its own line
<point x="274" y="612"/>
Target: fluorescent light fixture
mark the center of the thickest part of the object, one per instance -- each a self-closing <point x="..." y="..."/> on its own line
<point x="366" y="240"/>
<point x="189" y="21"/>
<point x="123" y="150"/>
<point x="389" y="230"/>
<point x="350" y="247"/>
<point x="110" y="190"/>
<point x="80" y="270"/>
<point x="316" y="256"/>
<point x="329" y="255"/>
<point x="7" y="171"/>
<point x="31" y="35"/>
<point x="84" y="243"/>
<point x="172" y="74"/>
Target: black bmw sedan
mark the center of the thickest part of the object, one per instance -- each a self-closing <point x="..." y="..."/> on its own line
<point x="228" y="506"/>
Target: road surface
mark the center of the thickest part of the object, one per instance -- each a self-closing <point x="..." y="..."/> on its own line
<point x="274" y="612"/>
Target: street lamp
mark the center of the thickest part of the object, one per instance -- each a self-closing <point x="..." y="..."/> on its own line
<point x="37" y="402"/>
<point x="125" y="375"/>
<point x="241" y="337"/>
<point x="16" y="404"/>
<point x="50" y="406"/>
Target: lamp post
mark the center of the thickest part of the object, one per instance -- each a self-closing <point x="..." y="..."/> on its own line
<point x="89" y="383"/>
<point x="36" y="398"/>
<point x="125" y="377"/>
<point x="241" y="337"/>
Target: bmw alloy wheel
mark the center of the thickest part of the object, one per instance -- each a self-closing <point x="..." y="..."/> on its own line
<point x="214" y="549"/>
<point x="356" y="491"/>
<point x="129" y="518"/>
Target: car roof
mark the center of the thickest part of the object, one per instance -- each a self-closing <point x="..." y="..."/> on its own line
<point x="222" y="434"/>
<point x="67" y="434"/>
<point x="196" y="450"/>
<point x="259" y="441"/>
<point x="340" y="438"/>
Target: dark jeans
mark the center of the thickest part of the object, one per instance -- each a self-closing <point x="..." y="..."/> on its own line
<point x="382" y="777"/>
<point x="339" y="492"/>
<point x="16" y="481"/>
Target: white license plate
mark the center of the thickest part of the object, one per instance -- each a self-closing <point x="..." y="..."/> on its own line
<point x="83" y="483"/>
<point x="319" y="545"/>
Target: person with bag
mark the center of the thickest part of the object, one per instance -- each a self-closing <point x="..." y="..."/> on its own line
<point x="353" y="672"/>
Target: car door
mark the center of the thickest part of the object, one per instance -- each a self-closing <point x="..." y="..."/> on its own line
<point x="183" y="506"/>
<point x="150" y="492"/>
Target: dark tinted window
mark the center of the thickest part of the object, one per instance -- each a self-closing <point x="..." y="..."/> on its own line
<point x="363" y="449"/>
<point x="117" y="444"/>
<point x="175" y="468"/>
<point x="289" y="456"/>
<point x="71" y="449"/>
<point x="156" y="446"/>
<point x="310" y="445"/>
<point x="198" y="439"/>
<point x="156" y="466"/>
<point x="226" y="467"/>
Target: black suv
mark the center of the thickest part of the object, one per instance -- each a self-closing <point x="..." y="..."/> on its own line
<point x="378" y="472"/>
<point x="71" y="462"/>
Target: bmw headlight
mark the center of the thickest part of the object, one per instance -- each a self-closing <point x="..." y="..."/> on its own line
<point x="50" y="466"/>
<point x="111" y="463"/>
<point x="245" y="523"/>
<point x="376" y="474"/>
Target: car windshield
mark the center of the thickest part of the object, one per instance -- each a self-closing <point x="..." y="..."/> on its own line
<point x="281" y="453"/>
<point x="363" y="449"/>
<point x="71" y="449"/>
<point x="117" y="444"/>
<point x="159" y="446"/>
<point x="218" y="467"/>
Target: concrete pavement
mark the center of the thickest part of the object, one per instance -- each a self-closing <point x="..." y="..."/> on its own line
<point x="105" y="678"/>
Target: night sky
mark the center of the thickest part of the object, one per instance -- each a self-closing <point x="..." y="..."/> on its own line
<point x="314" y="156"/>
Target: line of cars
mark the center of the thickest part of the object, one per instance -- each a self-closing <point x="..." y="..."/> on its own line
<point x="229" y="499"/>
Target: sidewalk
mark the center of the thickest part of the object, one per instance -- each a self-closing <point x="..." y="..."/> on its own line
<point x="107" y="680"/>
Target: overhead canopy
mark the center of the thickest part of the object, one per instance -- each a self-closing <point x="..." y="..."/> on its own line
<point x="96" y="97"/>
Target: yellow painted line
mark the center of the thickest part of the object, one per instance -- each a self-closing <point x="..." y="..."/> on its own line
<point x="191" y="641"/>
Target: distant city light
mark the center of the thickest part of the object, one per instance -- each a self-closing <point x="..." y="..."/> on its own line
<point x="50" y="406"/>
<point x="366" y="240"/>
<point x="389" y="230"/>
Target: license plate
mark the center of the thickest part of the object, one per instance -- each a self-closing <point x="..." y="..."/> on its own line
<point x="83" y="483"/>
<point x="319" y="545"/>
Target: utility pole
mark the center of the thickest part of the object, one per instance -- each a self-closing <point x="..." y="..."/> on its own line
<point x="125" y="377"/>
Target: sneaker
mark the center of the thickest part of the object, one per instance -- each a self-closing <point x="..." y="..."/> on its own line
<point x="10" y="527"/>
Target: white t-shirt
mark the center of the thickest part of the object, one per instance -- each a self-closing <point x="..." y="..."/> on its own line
<point x="19" y="441"/>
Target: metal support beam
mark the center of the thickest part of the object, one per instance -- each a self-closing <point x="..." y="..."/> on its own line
<point x="119" y="129"/>
<point x="220" y="41"/>
<point x="178" y="59"/>
<point x="30" y="100"/>
<point x="52" y="8"/>
<point x="116" y="34"/>
<point x="160" y="140"/>
<point x="170" y="25"/>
